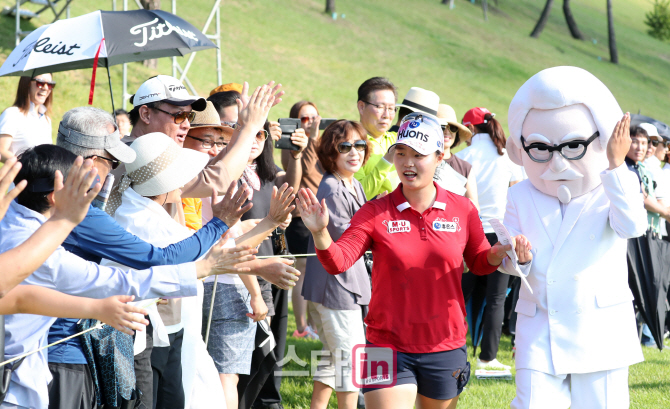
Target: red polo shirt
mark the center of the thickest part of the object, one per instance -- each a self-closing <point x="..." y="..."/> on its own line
<point x="417" y="303"/>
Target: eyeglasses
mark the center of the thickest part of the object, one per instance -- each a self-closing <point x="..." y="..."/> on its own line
<point x="179" y="117"/>
<point x="306" y="119"/>
<point x="262" y="135"/>
<point x="382" y="108"/>
<point x="229" y="124"/>
<point x="208" y="143"/>
<point x="115" y="163"/>
<point x="571" y="150"/>
<point x="452" y="128"/>
<point x="41" y="84"/>
<point x="345" y="147"/>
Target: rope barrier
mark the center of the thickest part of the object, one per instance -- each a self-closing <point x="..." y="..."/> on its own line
<point x="99" y="325"/>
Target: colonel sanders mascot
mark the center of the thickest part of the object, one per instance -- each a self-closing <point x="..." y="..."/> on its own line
<point x="576" y="332"/>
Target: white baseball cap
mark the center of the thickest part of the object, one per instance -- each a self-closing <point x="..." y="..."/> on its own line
<point x="166" y="89"/>
<point x="651" y="130"/>
<point x="421" y="132"/>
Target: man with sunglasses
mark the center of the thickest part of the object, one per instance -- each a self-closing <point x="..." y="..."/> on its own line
<point x="576" y="334"/>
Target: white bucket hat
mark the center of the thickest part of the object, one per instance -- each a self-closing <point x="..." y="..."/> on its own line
<point x="161" y="166"/>
<point x="421" y="100"/>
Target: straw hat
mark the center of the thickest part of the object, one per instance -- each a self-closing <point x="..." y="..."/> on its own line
<point x="419" y="99"/>
<point x="161" y="166"/>
<point x="447" y="116"/>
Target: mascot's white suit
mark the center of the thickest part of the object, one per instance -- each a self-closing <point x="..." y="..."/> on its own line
<point x="576" y="333"/>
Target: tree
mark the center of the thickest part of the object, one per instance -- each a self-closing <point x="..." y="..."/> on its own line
<point x="658" y="20"/>
<point x="570" y="20"/>
<point x="330" y="6"/>
<point x="614" y="54"/>
<point x="151" y="5"/>
<point x="544" y="17"/>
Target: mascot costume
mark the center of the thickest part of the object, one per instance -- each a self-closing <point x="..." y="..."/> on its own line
<point x="576" y="333"/>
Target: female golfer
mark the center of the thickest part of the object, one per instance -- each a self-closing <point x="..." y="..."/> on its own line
<point x="419" y="235"/>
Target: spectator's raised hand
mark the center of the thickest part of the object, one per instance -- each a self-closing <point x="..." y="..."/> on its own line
<point x="314" y="215"/>
<point x="280" y="204"/>
<point x="299" y="138"/>
<point x="115" y="312"/>
<point x="230" y="208"/>
<point x="313" y="131"/>
<point x="7" y="175"/>
<point x="220" y="260"/>
<point x="619" y="143"/>
<point x="279" y="272"/>
<point x="270" y="92"/>
<point x="73" y="198"/>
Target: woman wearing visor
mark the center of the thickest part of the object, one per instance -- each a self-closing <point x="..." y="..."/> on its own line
<point x="419" y="235"/>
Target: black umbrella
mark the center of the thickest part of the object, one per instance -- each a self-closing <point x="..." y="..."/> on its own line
<point x="663" y="129"/>
<point x="649" y="279"/>
<point x="103" y="39"/>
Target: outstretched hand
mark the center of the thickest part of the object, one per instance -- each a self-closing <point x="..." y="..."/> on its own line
<point x="280" y="204"/>
<point x="521" y="247"/>
<point x="253" y="110"/>
<point x="230" y="208"/>
<point x="314" y="215"/>
<point x="279" y="272"/>
<point x="73" y="198"/>
<point x="7" y="175"/>
<point x="619" y="143"/>
<point x="124" y="317"/>
<point x="222" y="260"/>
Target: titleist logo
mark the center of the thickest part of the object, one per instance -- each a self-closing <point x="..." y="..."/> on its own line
<point x="158" y="31"/>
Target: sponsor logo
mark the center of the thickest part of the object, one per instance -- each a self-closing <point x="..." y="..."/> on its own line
<point x="397" y="226"/>
<point x="445" y="225"/>
<point x="155" y="94"/>
<point x="174" y="88"/>
<point x="439" y="144"/>
<point x="418" y="135"/>
<point x="158" y="31"/>
<point x="43" y="45"/>
<point x="374" y="365"/>
<point x="414" y="124"/>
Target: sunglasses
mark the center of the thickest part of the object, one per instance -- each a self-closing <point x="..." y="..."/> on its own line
<point x="179" y="117"/>
<point x="229" y="124"/>
<point x="114" y="163"/>
<point x="452" y="128"/>
<point x="654" y="142"/>
<point x="262" y="135"/>
<point x="306" y="119"/>
<point x="41" y="84"/>
<point x="345" y="147"/>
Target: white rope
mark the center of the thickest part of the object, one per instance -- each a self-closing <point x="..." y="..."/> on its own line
<point x="99" y="325"/>
<point x="296" y="255"/>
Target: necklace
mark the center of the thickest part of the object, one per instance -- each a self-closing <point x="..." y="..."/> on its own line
<point x="347" y="185"/>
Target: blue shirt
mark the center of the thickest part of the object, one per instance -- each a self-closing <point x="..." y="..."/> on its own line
<point x="70" y="274"/>
<point x="99" y="236"/>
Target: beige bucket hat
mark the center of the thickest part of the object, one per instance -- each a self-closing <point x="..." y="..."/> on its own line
<point x="209" y="118"/>
<point x="447" y="116"/>
<point x="161" y="166"/>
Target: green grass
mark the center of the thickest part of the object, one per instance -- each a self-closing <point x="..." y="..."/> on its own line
<point x="649" y="381"/>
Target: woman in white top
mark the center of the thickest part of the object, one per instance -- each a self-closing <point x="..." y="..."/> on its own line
<point x="27" y="123"/>
<point x="495" y="173"/>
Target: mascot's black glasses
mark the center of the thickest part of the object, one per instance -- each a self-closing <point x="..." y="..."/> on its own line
<point x="571" y="150"/>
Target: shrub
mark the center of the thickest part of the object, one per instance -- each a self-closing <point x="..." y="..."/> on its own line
<point x="658" y="20"/>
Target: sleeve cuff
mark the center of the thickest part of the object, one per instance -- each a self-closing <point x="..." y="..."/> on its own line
<point x="385" y="165"/>
<point x="188" y="280"/>
<point x="219" y="224"/>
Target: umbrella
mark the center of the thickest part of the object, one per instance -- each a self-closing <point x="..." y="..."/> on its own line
<point x="649" y="279"/>
<point x="663" y="129"/>
<point x="103" y="39"/>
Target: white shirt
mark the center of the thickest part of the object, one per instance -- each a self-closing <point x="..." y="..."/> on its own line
<point x="70" y="274"/>
<point x="26" y="130"/>
<point x="493" y="173"/>
<point x="660" y="177"/>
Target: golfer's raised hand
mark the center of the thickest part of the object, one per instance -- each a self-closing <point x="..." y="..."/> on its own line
<point x="230" y="208"/>
<point x="7" y="175"/>
<point x="619" y="143"/>
<point x="522" y="247"/>
<point x="115" y="312"/>
<point x="279" y="272"/>
<point x="314" y="215"/>
<point x="72" y="198"/>
<point x="269" y="93"/>
<point x="280" y="204"/>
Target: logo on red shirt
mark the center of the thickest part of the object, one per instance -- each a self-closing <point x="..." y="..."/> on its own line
<point x="444" y="225"/>
<point x="398" y="226"/>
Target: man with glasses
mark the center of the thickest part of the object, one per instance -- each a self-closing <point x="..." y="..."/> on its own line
<point x="377" y="109"/>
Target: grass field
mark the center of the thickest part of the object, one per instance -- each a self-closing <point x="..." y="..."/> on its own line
<point x="467" y="61"/>
<point x="649" y="381"/>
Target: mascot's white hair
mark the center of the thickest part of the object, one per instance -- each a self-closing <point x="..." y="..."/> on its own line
<point x="560" y="87"/>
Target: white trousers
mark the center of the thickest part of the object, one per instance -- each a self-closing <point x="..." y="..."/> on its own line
<point x="595" y="390"/>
